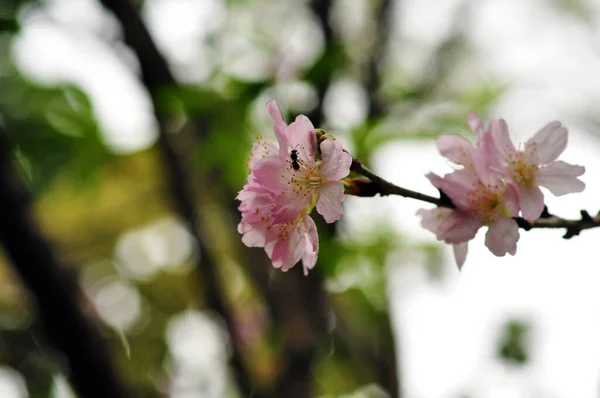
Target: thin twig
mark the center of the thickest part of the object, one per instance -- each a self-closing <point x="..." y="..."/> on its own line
<point x="384" y="187"/>
<point x="377" y="185"/>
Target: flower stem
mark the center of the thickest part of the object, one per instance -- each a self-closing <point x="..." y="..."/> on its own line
<point x="377" y="185"/>
<point x="384" y="187"/>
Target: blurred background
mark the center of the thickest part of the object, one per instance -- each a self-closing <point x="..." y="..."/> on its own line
<point x="130" y="123"/>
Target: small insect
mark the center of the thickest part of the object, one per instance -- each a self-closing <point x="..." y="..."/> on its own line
<point x="294" y="157"/>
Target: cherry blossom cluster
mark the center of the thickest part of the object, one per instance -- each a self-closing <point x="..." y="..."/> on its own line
<point x="493" y="185"/>
<point x="494" y="182"/>
<point x="287" y="180"/>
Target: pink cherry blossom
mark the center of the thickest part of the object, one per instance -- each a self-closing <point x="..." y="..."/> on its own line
<point x="535" y="165"/>
<point x="432" y="220"/>
<point x="480" y="199"/>
<point x="281" y="192"/>
<point x="316" y="182"/>
<point x="458" y="149"/>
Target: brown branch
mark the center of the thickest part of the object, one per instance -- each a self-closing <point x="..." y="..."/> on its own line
<point x="156" y="76"/>
<point x="375" y="185"/>
<point x="573" y="227"/>
<point x="55" y="292"/>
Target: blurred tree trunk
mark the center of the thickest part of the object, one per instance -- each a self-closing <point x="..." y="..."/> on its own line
<point x="55" y="292"/>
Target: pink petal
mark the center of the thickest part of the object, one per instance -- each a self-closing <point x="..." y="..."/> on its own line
<point x="481" y="166"/>
<point x="460" y="253"/>
<point x="457" y="186"/>
<point x="254" y="196"/>
<point x="272" y="174"/>
<point x="301" y="136"/>
<point x="329" y="204"/>
<point x="455" y="148"/>
<point x="287" y="252"/>
<point x="549" y="142"/>
<point x="532" y="202"/>
<point x="511" y="200"/>
<point x="279" y="253"/>
<point x="561" y="178"/>
<point x="309" y="258"/>
<point x="269" y="247"/>
<point x="254" y="238"/>
<point x="435" y="180"/>
<point x="475" y="123"/>
<point x="458" y="227"/>
<point x="336" y="163"/>
<point x="502" y="236"/>
<point x="261" y="150"/>
<point x="432" y="218"/>
<point x="500" y="136"/>
<point x="494" y="159"/>
<point x="278" y="126"/>
<point x="286" y="210"/>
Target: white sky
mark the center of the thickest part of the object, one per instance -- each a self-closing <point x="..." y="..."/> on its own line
<point x="447" y="329"/>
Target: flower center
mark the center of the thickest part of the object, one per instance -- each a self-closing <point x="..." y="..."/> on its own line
<point x="486" y="200"/>
<point x="283" y="230"/>
<point x="524" y="165"/>
<point x="303" y="176"/>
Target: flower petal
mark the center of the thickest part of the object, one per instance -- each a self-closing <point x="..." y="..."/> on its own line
<point x="455" y="148"/>
<point x="311" y="243"/>
<point x="272" y="173"/>
<point x="431" y="218"/>
<point x="561" y="178"/>
<point x="435" y="180"/>
<point x="287" y="206"/>
<point x="511" y="200"/>
<point x="279" y="127"/>
<point x="458" y="227"/>
<point x="502" y="236"/>
<point x="287" y="252"/>
<point x="475" y="123"/>
<point x="549" y="142"/>
<point x="457" y="186"/>
<point x="254" y="238"/>
<point x="336" y="162"/>
<point x="261" y="150"/>
<point x="329" y="203"/>
<point x="531" y="200"/>
<point x="481" y="166"/>
<point x="495" y="159"/>
<point x="501" y="137"/>
<point x="301" y="136"/>
<point x="460" y="253"/>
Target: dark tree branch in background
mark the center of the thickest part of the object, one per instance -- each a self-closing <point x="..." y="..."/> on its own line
<point x="322" y="10"/>
<point x="387" y="360"/>
<point x="373" y="78"/>
<point x="382" y="362"/>
<point x="56" y="293"/>
<point x="156" y="76"/>
<point x="375" y="185"/>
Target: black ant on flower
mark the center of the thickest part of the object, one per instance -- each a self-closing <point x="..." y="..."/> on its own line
<point x="294" y="157"/>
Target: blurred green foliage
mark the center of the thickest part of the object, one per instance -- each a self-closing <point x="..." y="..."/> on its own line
<point x="53" y="129"/>
<point x="513" y="344"/>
